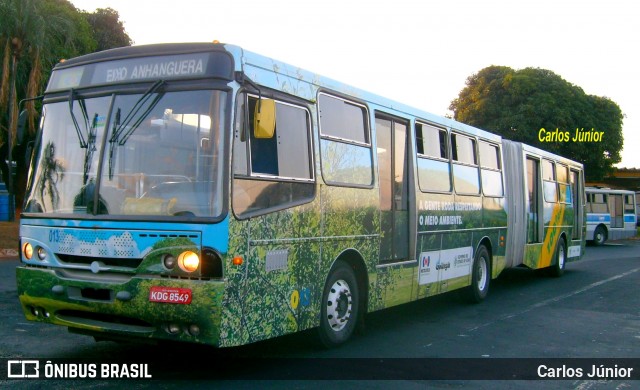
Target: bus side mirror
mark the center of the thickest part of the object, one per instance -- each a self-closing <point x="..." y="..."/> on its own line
<point x="22" y="125"/>
<point x="264" y="119"/>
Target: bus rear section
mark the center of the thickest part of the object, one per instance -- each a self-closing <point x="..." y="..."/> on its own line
<point x="545" y="198"/>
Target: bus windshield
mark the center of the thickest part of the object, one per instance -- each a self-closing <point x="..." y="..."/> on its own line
<point x="155" y="154"/>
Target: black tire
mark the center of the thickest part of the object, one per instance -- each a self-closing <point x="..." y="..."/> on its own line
<point x="599" y="236"/>
<point x="557" y="269"/>
<point x="480" y="276"/>
<point x="339" y="306"/>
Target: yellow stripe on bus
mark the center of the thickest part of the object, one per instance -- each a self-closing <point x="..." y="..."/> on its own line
<point x="552" y="237"/>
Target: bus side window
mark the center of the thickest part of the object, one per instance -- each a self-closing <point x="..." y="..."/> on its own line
<point x="490" y="169"/>
<point x="274" y="173"/>
<point x="564" y="187"/>
<point x="345" y="145"/>
<point x="549" y="185"/>
<point x="628" y="204"/>
<point x="465" y="167"/>
<point x="599" y="203"/>
<point x="434" y="170"/>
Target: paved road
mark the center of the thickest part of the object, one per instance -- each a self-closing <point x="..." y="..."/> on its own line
<point x="593" y="311"/>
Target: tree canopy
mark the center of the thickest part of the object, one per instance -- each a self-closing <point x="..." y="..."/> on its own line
<point x="108" y="30"/>
<point x="519" y="104"/>
<point x="34" y="36"/>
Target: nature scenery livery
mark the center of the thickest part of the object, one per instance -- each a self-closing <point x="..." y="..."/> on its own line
<point x="207" y="194"/>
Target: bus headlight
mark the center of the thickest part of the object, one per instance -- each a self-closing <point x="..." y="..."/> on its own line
<point x="188" y="261"/>
<point x="169" y="261"/>
<point x="27" y="250"/>
<point x="42" y="254"/>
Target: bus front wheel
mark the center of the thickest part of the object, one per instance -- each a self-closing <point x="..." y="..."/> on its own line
<point x="480" y="276"/>
<point x="599" y="236"/>
<point x="340" y="304"/>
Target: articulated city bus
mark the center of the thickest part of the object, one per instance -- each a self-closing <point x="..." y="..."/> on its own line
<point x="207" y="194"/>
<point x="610" y="214"/>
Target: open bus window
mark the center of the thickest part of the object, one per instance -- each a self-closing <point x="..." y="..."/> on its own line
<point x="465" y="168"/>
<point x="549" y="181"/>
<point x="599" y="203"/>
<point x="490" y="169"/>
<point x="271" y="173"/>
<point x="285" y="155"/>
<point x="628" y="204"/>
<point x="564" y="188"/>
<point x="434" y="171"/>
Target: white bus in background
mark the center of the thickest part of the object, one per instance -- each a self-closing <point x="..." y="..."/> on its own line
<point x="611" y="214"/>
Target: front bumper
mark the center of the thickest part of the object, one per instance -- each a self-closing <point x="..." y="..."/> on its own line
<point x="121" y="307"/>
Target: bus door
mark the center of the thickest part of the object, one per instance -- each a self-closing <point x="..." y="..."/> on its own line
<point x="578" y="215"/>
<point x="391" y="136"/>
<point x="535" y="221"/>
<point x="616" y="209"/>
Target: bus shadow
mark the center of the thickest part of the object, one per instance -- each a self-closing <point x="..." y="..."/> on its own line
<point x="273" y="358"/>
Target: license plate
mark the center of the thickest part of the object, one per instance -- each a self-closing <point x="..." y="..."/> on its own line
<point x="170" y="295"/>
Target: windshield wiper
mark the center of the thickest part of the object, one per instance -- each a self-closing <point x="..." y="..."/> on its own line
<point x="90" y="142"/>
<point x="120" y="134"/>
<point x="91" y="147"/>
<point x="115" y="137"/>
<point x="83" y="108"/>
<point x="116" y="125"/>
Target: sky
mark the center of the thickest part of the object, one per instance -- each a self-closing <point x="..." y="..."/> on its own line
<point x="417" y="52"/>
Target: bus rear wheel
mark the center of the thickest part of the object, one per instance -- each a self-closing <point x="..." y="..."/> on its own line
<point x="561" y="258"/>
<point x="480" y="276"/>
<point x="340" y="304"/>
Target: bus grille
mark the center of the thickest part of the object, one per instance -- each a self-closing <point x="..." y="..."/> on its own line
<point x="107" y="321"/>
<point x="113" y="262"/>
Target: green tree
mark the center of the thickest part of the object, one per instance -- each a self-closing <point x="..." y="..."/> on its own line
<point x="34" y="36"/>
<point x="108" y="30"/>
<point x="518" y="103"/>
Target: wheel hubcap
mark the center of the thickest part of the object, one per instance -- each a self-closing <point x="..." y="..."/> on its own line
<point x="339" y="305"/>
<point x="561" y="257"/>
<point x="482" y="274"/>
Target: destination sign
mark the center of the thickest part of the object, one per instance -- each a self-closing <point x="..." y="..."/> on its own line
<point x="141" y="69"/>
<point x="151" y="68"/>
